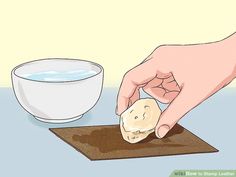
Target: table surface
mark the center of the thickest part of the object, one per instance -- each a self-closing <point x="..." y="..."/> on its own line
<point x="28" y="148"/>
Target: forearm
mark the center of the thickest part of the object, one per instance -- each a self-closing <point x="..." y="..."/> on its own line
<point x="229" y="51"/>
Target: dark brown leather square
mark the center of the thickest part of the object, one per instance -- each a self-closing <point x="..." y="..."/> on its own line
<point x="106" y="142"/>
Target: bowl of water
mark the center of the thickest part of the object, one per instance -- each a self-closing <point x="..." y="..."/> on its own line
<point x="57" y="90"/>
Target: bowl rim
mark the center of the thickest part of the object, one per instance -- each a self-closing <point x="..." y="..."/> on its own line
<point x="55" y="82"/>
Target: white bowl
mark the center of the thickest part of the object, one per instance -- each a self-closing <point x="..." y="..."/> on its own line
<point x="57" y="101"/>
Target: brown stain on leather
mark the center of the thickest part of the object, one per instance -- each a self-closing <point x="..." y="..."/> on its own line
<point x="110" y="139"/>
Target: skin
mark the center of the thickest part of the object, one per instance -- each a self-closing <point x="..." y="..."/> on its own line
<point x="182" y="76"/>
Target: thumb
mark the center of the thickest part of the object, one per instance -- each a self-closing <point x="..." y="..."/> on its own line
<point x="180" y="106"/>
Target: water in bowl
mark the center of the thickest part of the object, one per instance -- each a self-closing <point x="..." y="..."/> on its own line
<point x="62" y="76"/>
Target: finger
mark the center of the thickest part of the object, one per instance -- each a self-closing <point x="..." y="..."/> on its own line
<point x="161" y="94"/>
<point x="156" y="82"/>
<point x="170" y="96"/>
<point x="135" y="97"/>
<point x="156" y="93"/>
<point x="177" y="109"/>
<point x="137" y="76"/>
<point x="123" y="104"/>
<point x="170" y="84"/>
<point x="155" y="89"/>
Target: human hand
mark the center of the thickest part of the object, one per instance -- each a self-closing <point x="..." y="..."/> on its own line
<point x="181" y="75"/>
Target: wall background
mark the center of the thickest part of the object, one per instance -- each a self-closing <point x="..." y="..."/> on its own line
<point x="116" y="34"/>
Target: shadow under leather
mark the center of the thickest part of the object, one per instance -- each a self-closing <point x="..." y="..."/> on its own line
<point x="110" y="139"/>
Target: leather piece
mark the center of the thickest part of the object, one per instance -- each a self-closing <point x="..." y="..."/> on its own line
<point x="105" y="142"/>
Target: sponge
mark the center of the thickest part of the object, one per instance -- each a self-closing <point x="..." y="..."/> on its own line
<point x="139" y="120"/>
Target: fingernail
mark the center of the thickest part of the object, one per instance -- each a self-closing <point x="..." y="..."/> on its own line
<point x="162" y="131"/>
<point x="116" y="109"/>
<point x="117" y="113"/>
